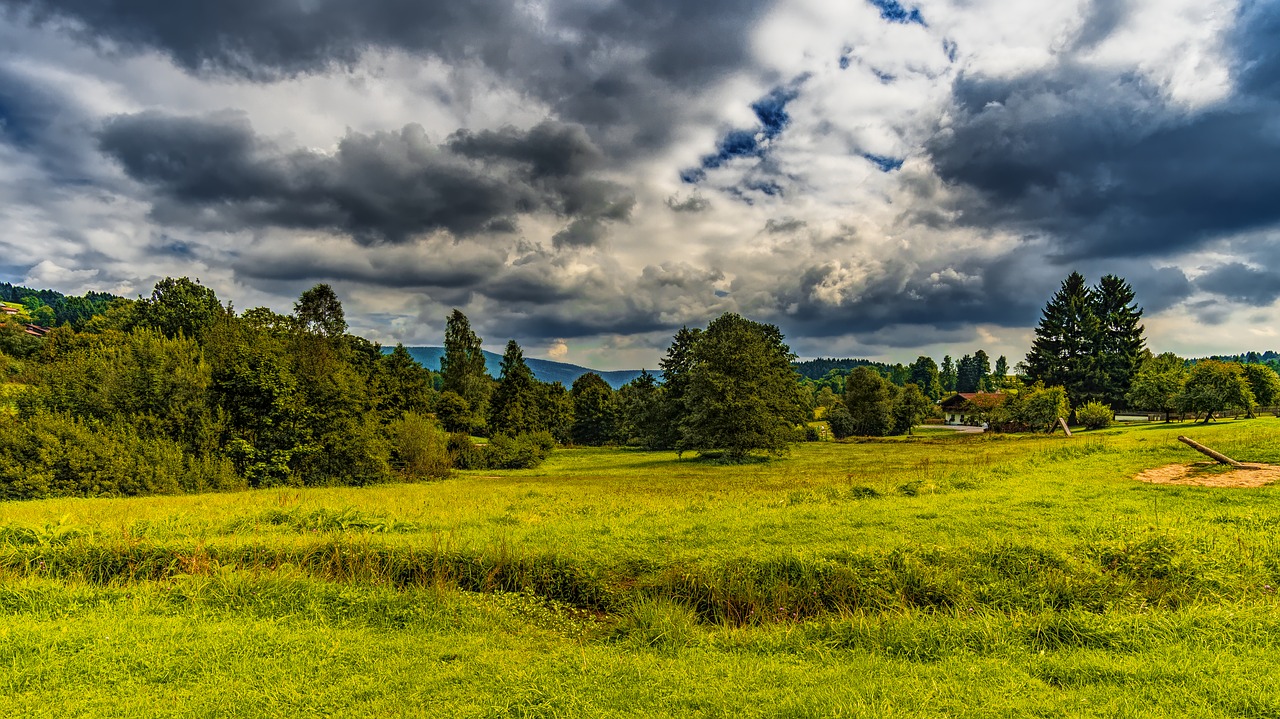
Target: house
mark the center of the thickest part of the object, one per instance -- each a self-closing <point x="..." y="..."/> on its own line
<point x="969" y="408"/>
<point x="36" y="330"/>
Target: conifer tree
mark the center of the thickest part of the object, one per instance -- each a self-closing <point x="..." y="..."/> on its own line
<point x="675" y="383"/>
<point x="923" y="373"/>
<point x="514" y="408"/>
<point x="947" y="375"/>
<point x="1065" y="348"/>
<point x="1120" y="343"/>
<point x="462" y="369"/>
<point x="1000" y="375"/>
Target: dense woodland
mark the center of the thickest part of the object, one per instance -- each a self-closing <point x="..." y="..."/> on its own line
<point x="176" y="392"/>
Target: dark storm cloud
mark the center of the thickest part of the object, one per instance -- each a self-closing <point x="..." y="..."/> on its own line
<point x="783" y="225"/>
<point x="1103" y="163"/>
<point x="1048" y="153"/>
<point x="215" y="172"/>
<point x="624" y="68"/>
<point x="1257" y="39"/>
<point x="1242" y="283"/>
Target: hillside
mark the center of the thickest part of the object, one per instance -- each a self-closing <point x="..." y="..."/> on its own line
<point x="544" y="370"/>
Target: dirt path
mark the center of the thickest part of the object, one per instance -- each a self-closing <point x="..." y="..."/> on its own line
<point x="1201" y="474"/>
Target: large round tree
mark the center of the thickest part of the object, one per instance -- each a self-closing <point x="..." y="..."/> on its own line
<point x="742" y="394"/>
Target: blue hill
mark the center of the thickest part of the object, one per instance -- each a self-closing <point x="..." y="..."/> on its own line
<point x="545" y="370"/>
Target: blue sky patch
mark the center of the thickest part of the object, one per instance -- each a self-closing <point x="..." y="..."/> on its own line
<point x="893" y="11"/>
<point x="883" y="162"/>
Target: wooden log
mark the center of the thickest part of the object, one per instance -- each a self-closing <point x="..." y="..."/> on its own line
<point x="1224" y="459"/>
<point x="1063" y="423"/>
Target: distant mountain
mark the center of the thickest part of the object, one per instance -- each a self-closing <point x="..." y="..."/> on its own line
<point x="545" y="370"/>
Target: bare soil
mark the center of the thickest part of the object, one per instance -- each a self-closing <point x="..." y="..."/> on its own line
<point x="1207" y="474"/>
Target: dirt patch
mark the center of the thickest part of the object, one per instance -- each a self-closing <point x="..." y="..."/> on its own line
<point x="1207" y="474"/>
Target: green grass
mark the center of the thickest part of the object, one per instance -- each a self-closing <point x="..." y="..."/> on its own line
<point x="940" y="575"/>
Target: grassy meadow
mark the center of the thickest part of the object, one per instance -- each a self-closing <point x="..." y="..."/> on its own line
<point x="936" y="575"/>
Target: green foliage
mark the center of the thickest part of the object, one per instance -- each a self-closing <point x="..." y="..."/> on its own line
<point x="923" y="373"/>
<point x="841" y="422"/>
<point x="642" y="412"/>
<point x="462" y="369"/>
<point x="595" y="411"/>
<point x="419" y="449"/>
<point x="454" y="412"/>
<point x="319" y="311"/>
<point x="1264" y="383"/>
<point x="1120" y="343"/>
<point x="179" y="307"/>
<point x="1035" y="408"/>
<point x="868" y="398"/>
<point x="1158" y="383"/>
<point x="1065" y="350"/>
<point x="1213" y="386"/>
<point x="516" y="407"/>
<point x="742" y="394"/>
<point x="677" y="368"/>
<point x="909" y="409"/>
<point x="1095" y="415"/>
<point x="57" y="455"/>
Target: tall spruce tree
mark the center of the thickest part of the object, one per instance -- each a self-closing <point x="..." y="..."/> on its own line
<point x="1065" y="350"/>
<point x="1120" y="343"/>
<point x="968" y="374"/>
<point x="515" y="408"/>
<point x="1000" y="375"/>
<point x="947" y="374"/>
<point x="462" y="369"/>
<point x="676" y="366"/>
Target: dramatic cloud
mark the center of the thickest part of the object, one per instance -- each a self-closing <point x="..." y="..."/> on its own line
<point x="216" y="173"/>
<point x="878" y="177"/>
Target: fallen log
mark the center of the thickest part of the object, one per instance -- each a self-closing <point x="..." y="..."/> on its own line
<point x="1063" y="423"/>
<point x="1222" y="458"/>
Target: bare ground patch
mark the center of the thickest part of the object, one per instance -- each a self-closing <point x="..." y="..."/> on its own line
<point x="1207" y="474"/>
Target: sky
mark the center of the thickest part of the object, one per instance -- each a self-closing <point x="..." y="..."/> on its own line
<point x="879" y="179"/>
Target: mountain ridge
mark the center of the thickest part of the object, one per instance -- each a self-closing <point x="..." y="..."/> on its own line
<point x="545" y="370"/>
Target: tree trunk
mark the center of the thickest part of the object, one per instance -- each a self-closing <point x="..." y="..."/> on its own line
<point x="1218" y="456"/>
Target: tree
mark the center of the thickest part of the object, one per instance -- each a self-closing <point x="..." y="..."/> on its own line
<point x="982" y="368"/>
<point x="1213" y="386"/>
<point x="179" y="306"/>
<point x="405" y="385"/>
<point x="677" y="366"/>
<point x="840" y="422"/>
<point x="453" y="412"/>
<point x="947" y="374"/>
<point x="923" y="373"/>
<point x="319" y="312"/>
<point x="1000" y="376"/>
<point x="1264" y="383"/>
<point x="741" y="394"/>
<point x="1064" y="352"/>
<point x="1157" y="385"/>
<point x="868" y="399"/>
<point x="968" y="374"/>
<point x="462" y="368"/>
<point x="514" y="409"/>
<point x="910" y="407"/>
<point x="641" y="412"/>
<point x="595" y="414"/>
<point x="1120" y="344"/>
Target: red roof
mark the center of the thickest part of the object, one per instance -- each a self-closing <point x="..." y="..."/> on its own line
<point x="989" y="399"/>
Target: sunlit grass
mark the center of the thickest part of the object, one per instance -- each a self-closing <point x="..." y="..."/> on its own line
<point x="935" y="575"/>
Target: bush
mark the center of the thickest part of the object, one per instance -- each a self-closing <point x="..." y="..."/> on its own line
<point x="419" y="449"/>
<point x="520" y="452"/>
<point x="502" y="452"/>
<point x="811" y="433"/>
<point x="56" y="455"/>
<point x="1095" y="415"/>
<point x="840" y="421"/>
<point x="463" y="453"/>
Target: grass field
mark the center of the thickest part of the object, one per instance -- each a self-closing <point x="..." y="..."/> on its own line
<point x="940" y="575"/>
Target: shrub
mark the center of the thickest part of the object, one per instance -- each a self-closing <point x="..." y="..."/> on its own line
<point x="840" y="421"/>
<point x="463" y="453"/>
<point x="419" y="449"/>
<point x="811" y="433"/>
<point x="520" y="452"/>
<point x="1095" y="415"/>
